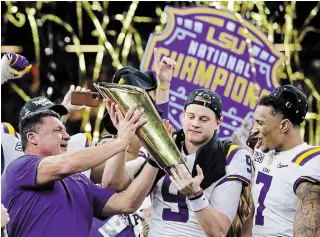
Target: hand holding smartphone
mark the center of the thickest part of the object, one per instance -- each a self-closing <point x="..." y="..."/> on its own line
<point x="91" y="99"/>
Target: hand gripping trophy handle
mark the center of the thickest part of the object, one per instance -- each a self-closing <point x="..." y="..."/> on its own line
<point x="153" y="134"/>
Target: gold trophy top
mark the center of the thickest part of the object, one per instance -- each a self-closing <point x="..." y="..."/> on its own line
<point x="153" y="134"/>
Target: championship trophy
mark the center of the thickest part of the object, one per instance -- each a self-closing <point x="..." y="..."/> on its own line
<point x="153" y="134"/>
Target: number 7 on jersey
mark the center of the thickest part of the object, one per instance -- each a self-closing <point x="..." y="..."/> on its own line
<point x="266" y="181"/>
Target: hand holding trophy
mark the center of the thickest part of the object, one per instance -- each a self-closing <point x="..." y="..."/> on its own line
<point x="153" y="135"/>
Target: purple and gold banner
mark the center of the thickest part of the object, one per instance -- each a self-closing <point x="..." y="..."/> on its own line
<point x="211" y="50"/>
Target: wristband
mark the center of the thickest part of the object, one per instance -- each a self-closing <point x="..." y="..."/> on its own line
<point x="199" y="203"/>
<point x="162" y="87"/>
<point x="152" y="163"/>
<point x="196" y="195"/>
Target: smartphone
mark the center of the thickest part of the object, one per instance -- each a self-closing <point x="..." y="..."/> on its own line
<point x="91" y="99"/>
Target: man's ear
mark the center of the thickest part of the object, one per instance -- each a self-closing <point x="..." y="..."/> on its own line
<point x="285" y="125"/>
<point x="219" y="121"/>
<point x="32" y="137"/>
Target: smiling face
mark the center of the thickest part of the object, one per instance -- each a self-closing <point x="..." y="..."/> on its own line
<point x="52" y="138"/>
<point x="270" y="128"/>
<point x="199" y="124"/>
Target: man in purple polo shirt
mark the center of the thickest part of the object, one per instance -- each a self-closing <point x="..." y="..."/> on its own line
<point x="43" y="190"/>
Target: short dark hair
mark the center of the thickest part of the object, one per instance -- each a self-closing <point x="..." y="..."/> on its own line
<point x="277" y="108"/>
<point x="32" y="123"/>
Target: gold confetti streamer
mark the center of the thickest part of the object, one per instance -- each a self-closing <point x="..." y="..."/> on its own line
<point x="35" y="37"/>
<point x="138" y="44"/>
<point x="127" y="22"/>
<point x="75" y="39"/>
<point x="79" y="18"/>
<point x="85" y="123"/>
<point x="115" y="61"/>
<point x="126" y="48"/>
<point x="288" y="38"/>
<point x="14" y="10"/>
<point x="128" y="41"/>
<point x="312" y="14"/>
<point x="100" y="54"/>
<point x="251" y="57"/>
<point x="20" y="92"/>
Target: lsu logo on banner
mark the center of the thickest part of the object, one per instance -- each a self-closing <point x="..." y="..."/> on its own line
<point x="210" y="50"/>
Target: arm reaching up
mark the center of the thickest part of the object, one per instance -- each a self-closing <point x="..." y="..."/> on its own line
<point x="164" y="71"/>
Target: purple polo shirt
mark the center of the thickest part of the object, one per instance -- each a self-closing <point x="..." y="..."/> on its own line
<point x="62" y="208"/>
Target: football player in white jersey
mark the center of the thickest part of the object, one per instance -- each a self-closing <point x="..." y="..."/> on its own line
<point x="10" y="145"/>
<point x="158" y="82"/>
<point x="285" y="188"/>
<point x="205" y="207"/>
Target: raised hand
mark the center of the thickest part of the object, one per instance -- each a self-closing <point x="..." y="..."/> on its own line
<point x="164" y="69"/>
<point x="183" y="180"/>
<point x="67" y="99"/>
<point x="169" y="129"/>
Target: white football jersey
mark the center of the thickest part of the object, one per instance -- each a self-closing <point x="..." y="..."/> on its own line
<point x="171" y="215"/>
<point x="10" y="145"/>
<point x="277" y="176"/>
<point x="77" y="142"/>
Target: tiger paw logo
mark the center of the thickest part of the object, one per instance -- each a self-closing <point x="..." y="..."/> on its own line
<point x="211" y="51"/>
<point x="258" y="156"/>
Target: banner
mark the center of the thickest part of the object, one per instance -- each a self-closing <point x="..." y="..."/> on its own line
<point x="211" y="49"/>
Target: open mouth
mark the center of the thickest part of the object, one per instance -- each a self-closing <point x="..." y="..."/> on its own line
<point x="64" y="146"/>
